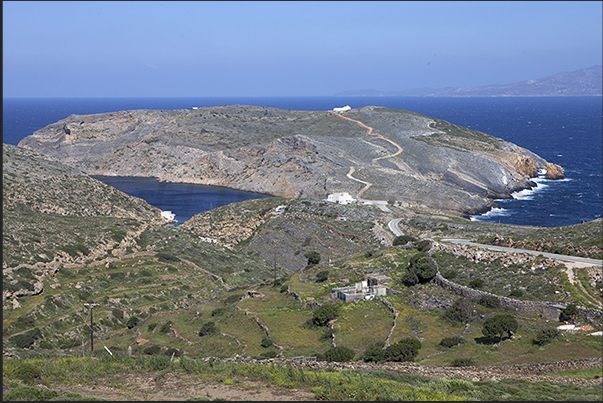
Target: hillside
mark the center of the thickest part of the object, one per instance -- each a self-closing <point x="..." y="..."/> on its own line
<point x="373" y="153"/>
<point x="227" y="300"/>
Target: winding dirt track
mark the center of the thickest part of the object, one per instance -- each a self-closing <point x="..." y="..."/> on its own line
<point x="369" y="132"/>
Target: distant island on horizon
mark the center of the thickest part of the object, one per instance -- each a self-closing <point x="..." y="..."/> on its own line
<point x="583" y="82"/>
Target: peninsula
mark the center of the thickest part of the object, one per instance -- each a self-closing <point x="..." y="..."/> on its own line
<point x="373" y="153"/>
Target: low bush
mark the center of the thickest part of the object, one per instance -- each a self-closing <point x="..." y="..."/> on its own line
<point x="207" y="329"/>
<point x="166" y="327"/>
<point x="324" y="313"/>
<point x="132" y="321"/>
<point x="462" y="362"/>
<point x="339" y="354"/>
<point x="152" y="350"/>
<point x="26" y="339"/>
<point x="516" y="294"/>
<point x="452" y="341"/>
<point x="26" y="372"/>
<point x="489" y="301"/>
<point x="476" y="283"/>
<point x="266" y="342"/>
<point x="545" y="336"/>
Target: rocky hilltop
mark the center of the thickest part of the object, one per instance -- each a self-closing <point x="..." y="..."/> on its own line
<point x="372" y="152"/>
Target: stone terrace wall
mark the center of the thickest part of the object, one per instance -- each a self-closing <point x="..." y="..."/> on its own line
<point x="509" y="303"/>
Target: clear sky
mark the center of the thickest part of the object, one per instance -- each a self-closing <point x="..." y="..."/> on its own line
<point x="288" y="48"/>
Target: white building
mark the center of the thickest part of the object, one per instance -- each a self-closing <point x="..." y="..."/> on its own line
<point x="168" y="215"/>
<point x="342" y="198"/>
<point x="342" y="109"/>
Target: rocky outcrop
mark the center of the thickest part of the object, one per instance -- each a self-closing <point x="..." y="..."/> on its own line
<point x="403" y="156"/>
<point x="554" y="171"/>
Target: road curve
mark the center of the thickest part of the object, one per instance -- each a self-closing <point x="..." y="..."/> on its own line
<point x="394" y="226"/>
<point x="573" y="259"/>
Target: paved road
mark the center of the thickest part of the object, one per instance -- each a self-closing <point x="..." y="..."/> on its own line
<point x="395" y="228"/>
<point x="574" y="259"/>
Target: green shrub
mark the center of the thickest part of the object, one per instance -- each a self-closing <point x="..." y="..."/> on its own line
<point x="207" y="329"/>
<point x="266" y="342"/>
<point x="233" y="299"/>
<point x="152" y="350"/>
<point x="375" y="354"/>
<point x="476" y="283"/>
<point x="322" y="276"/>
<point x="449" y="274"/>
<point x="489" y="301"/>
<point x="462" y="362"/>
<point x="324" y="313"/>
<point x="339" y="354"/>
<point x="313" y="257"/>
<point x="284" y="288"/>
<point x="545" y="336"/>
<point x="402" y="240"/>
<point x="158" y="362"/>
<point x="272" y="353"/>
<point x="132" y="321"/>
<point x="26" y="339"/>
<point x="173" y="350"/>
<point x="26" y="372"/>
<point x="498" y="325"/>
<point x="219" y="311"/>
<point x="452" y="341"/>
<point x="166" y="327"/>
<point x="516" y="294"/>
<point x="568" y="313"/>
<point x="459" y="312"/>
<point x="423" y="246"/>
<point x="118" y="313"/>
<point x="406" y="349"/>
<point x="166" y="257"/>
<point x="152" y="326"/>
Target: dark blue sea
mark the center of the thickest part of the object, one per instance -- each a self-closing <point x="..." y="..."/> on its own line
<point x="563" y="130"/>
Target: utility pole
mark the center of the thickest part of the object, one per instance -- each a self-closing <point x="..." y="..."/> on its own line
<point x="91" y="330"/>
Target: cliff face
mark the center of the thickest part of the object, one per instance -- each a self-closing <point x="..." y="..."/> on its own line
<point x="371" y="152"/>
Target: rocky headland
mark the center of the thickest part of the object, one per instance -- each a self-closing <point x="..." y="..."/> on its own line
<point x="372" y="152"/>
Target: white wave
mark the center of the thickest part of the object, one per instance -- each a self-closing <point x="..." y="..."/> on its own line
<point x="495" y="212"/>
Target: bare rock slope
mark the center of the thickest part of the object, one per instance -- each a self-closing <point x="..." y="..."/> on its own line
<point x="372" y="152"/>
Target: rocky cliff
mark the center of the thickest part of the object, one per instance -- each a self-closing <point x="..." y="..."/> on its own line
<point x="370" y="152"/>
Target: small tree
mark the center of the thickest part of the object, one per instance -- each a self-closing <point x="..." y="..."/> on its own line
<point x="132" y="321"/>
<point x="313" y="257"/>
<point x="339" y="354"/>
<point x="498" y="325"/>
<point x="207" y="329"/>
<point x="322" y="276"/>
<point x="406" y="349"/>
<point x="568" y="313"/>
<point x="545" y="336"/>
<point x="476" y="283"/>
<point x="402" y="240"/>
<point x="324" y="313"/>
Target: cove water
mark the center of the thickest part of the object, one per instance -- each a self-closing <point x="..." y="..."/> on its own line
<point x="566" y="131"/>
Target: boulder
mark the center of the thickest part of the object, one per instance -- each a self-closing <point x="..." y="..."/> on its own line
<point x="554" y="171"/>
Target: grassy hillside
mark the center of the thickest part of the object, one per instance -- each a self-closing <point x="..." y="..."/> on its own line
<point x="237" y="281"/>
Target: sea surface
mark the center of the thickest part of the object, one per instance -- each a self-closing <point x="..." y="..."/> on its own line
<point x="563" y="130"/>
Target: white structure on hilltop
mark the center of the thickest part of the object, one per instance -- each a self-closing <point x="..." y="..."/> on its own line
<point x="342" y="198"/>
<point x="342" y="109"/>
<point x="168" y="215"/>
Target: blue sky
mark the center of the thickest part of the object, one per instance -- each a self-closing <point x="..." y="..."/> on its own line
<point x="289" y="48"/>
